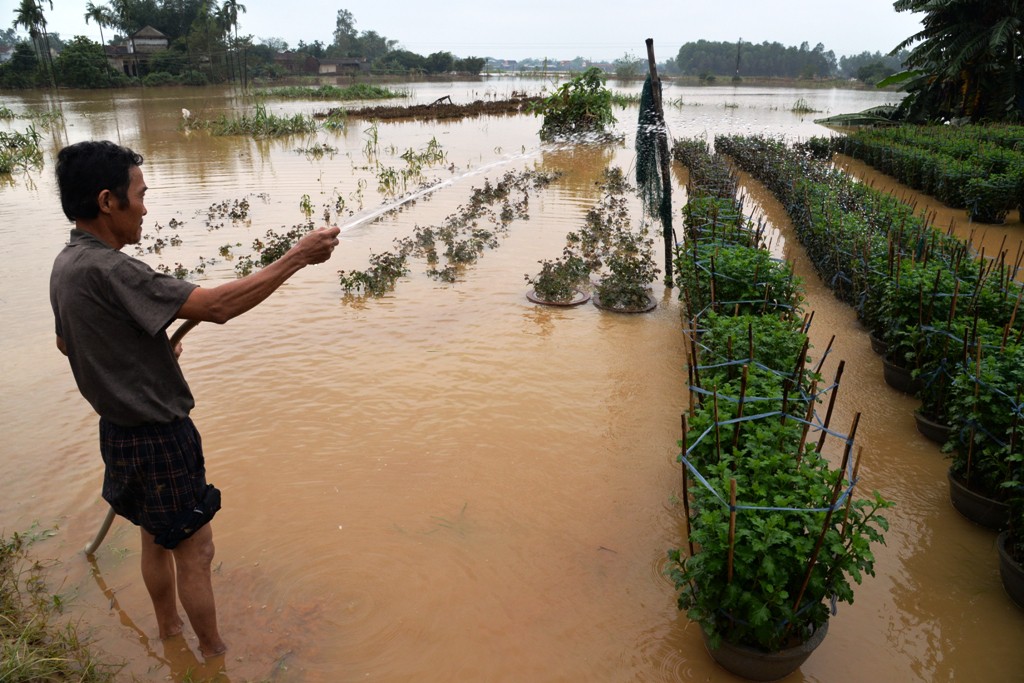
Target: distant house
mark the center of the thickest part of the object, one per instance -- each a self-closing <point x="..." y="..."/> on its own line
<point x="136" y="50"/>
<point x="296" y="62"/>
<point x="147" y="40"/>
<point x="345" y="65"/>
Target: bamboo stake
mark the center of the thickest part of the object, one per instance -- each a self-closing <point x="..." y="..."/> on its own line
<point x="828" y="517"/>
<point x="739" y="409"/>
<point x="821" y="362"/>
<point x="970" y="446"/>
<point x="718" y="435"/>
<point x="807" y="423"/>
<point x="750" y="341"/>
<point x="732" y="525"/>
<point x="831" y="405"/>
<point x="686" y="487"/>
<point x="1013" y="318"/>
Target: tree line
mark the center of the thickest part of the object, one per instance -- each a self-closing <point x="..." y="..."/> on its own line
<point x="707" y="59"/>
<point x="967" y="62"/>
<point x="204" y="46"/>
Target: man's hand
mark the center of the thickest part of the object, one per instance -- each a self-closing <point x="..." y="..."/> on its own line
<point x="177" y="350"/>
<point x="317" y="246"/>
<point x="223" y="302"/>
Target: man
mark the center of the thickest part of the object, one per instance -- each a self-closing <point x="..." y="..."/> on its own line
<point x="112" y="313"/>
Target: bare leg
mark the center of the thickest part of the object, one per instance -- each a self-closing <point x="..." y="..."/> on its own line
<point x="158" y="575"/>
<point x="193" y="558"/>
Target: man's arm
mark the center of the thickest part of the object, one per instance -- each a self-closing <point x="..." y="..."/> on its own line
<point x="222" y="303"/>
<point x="61" y="346"/>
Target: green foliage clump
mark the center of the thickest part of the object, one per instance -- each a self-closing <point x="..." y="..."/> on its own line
<point x="384" y="271"/>
<point x="83" y="64"/>
<point x="261" y="124"/>
<point x="357" y="91"/>
<point x="20" y="150"/>
<point x="157" y="78"/>
<point x="559" y="280"/>
<point x="581" y="106"/>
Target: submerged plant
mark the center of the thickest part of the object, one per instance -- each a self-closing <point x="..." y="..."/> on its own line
<point x="630" y="270"/>
<point x="384" y="271"/>
<point x="260" y="124"/>
<point x="559" y="280"/>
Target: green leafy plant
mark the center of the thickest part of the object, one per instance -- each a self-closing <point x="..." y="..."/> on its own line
<point x="766" y="584"/>
<point x="20" y="150"/>
<point x="559" y="280"/>
<point x="384" y="271"/>
<point x="984" y="407"/>
<point x="630" y="269"/>
<point x="581" y="105"/>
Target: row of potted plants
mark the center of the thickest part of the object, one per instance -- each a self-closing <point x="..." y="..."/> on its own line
<point x="952" y="164"/>
<point x="948" y="317"/>
<point x="774" y="530"/>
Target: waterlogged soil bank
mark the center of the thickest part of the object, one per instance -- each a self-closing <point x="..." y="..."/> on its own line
<point x="438" y="110"/>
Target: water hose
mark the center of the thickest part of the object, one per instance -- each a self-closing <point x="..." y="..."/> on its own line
<point x="93" y="545"/>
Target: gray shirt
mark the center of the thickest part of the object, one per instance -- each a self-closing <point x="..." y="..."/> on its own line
<point x="112" y="311"/>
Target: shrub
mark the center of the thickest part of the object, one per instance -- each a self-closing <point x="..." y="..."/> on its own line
<point x="158" y="78"/>
<point x="580" y="106"/>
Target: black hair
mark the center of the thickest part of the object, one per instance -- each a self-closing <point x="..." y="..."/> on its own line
<point x="85" y="169"/>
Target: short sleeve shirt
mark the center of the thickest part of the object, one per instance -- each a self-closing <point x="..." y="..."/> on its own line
<point x="112" y="311"/>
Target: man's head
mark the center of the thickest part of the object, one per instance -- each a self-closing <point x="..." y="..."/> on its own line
<point x="85" y="169"/>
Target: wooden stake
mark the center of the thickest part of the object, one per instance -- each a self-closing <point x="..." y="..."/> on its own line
<point x="739" y="410"/>
<point x="732" y="525"/>
<point x="828" y="517"/>
<point x="831" y="405"/>
<point x="686" y="488"/>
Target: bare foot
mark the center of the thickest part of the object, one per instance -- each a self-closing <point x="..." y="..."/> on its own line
<point x="212" y="651"/>
<point x="172" y="629"/>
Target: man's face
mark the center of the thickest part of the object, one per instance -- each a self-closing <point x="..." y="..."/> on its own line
<point x="127" y="217"/>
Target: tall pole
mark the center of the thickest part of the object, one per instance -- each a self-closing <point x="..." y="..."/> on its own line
<point x="666" y="170"/>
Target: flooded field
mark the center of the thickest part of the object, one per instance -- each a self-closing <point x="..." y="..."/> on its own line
<point x="449" y="483"/>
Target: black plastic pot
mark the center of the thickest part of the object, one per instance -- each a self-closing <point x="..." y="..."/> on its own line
<point x="930" y="429"/>
<point x="1010" y="571"/>
<point x="899" y="378"/>
<point x="982" y="510"/>
<point x="758" y="665"/>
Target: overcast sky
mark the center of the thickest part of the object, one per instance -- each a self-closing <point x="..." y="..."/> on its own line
<point x="558" y="29"/>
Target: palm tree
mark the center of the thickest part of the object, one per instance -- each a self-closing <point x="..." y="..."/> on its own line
<point x="30" y="16"/>
<point x="229" y="12"/>
<point x="228" y="16"/>
<point x="967" y="61"/>
<point x="101" y="15"/>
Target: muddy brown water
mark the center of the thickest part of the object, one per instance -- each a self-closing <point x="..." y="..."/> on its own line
<point x="449" y="483"/>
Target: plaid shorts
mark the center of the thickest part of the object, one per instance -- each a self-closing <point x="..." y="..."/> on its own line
<point x="156" y="478"/>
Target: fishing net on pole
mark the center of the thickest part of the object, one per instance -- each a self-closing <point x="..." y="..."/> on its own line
<point x="649" y="180"/>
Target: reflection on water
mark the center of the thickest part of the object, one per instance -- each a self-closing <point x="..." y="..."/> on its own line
<point x="448" y="483"/>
